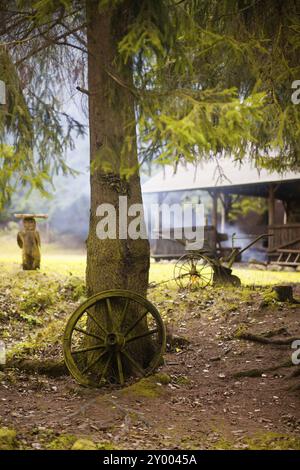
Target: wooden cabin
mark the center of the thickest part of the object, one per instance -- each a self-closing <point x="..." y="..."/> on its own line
<point x="219" y="182"/>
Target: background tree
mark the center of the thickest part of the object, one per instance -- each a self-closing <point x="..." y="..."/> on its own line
<point x="30" y="122"/>
<point x="199" y="79"/>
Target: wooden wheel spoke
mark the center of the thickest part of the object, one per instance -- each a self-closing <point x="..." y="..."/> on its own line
<point x="96" y="321"/>
<point x="123" y="314"/>
<point x="90" y="348"/>
<point x="206" y="278"/>
<point x="110" y="312"/>
<point x="104" y="370"/>
<point x="137" y="367"/>
<point x="189" y="268"/>
<point x="183" y="275"/>
<point x="185" y="267"/>
<point x="136" y="323"/>
<point x="201" y="267"/>
<point x="89" y="366"/>
<point x="87" y="333"/>
<point x="142" y="335"/>
<point x="120" y="368"/>
<point x="203" y="276"/>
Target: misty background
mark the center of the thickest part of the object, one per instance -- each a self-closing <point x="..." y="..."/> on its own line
<point x="68" y="203"/>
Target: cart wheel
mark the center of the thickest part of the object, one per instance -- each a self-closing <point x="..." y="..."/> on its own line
<point x="193" y="271"/>
<point x="104" y="332"/>
<point x="235" y="281"/>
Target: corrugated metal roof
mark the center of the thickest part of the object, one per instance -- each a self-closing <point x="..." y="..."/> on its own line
<point x="209" y="175"/>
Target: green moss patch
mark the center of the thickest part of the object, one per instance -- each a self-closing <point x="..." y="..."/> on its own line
<point x="273" y="441"/>
<point x="62" y="442"/>
<point x="7" y="439"/>
<point x="149" y="387"/>
<point x="84" y="444"/>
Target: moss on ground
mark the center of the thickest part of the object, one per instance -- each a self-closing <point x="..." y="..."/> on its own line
<point x="222" y="444"/>
<point x="44" y="337"/>
<point x="106" y="445"/>
<point x="270" y="297"/>
<point x="8" y="439"/>
<point x="273" y="441"/>
<point x="260" y="441"/>
<point x="181" y="380"/>
<point x="84" y="444"/>
<point x="62" y="442"/>
<point x="149" y="387"/>
<point x="75" y="287"/>
<point x="71" y="442"/>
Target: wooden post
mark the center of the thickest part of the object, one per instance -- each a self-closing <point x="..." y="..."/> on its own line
<point x="271" y="205"/>
<point x="285" y="214"/>
<point x="223" y="213"/>
<point x="214" y="216"/>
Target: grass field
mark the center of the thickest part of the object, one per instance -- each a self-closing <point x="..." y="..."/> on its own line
<point x="66" y="261"/>
<point x="184" y="403"/>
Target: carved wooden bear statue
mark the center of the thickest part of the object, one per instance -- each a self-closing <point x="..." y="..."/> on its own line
<point x="30" y="242"/>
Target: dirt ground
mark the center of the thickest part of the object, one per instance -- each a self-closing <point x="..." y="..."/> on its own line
<point x="197" y="400"/>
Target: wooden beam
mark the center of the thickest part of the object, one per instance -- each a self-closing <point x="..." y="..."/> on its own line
<point x="271" y="205"/>
<point x="34" y="216"/>
<point x="214" y="216"/>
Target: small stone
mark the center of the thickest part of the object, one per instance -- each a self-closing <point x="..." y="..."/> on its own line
<point x="36" y="445"/>
<point x="258" y="267"/>
<point x="215" y="358"/>
<point x="274" y="267"/>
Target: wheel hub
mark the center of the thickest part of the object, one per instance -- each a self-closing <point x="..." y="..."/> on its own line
<point x="193" y="271"/>
<point x="115" y="341"/>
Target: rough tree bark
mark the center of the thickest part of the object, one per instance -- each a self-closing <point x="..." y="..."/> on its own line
<point x="112" y="263"/>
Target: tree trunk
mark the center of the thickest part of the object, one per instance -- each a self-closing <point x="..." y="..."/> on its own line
<point x="113" y="263"/>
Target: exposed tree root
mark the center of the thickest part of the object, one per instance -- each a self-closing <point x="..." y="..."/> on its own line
<point x="259" y="372"/>
<point x="265" y="340"/>
<point x="174" y="341"/>
<point x="295" y="373"/>
<point x="295" y="388"/>
<point x="271" y="333"/>
<point x="47" y="367"/>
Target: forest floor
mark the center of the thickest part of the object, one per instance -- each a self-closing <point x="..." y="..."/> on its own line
<point x="197" y="400"/>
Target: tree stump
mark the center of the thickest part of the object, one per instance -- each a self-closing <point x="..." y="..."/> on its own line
<point x="284" y="293"/>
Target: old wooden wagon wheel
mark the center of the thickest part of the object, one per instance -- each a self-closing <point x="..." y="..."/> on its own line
<point x="106" y="331"/>
<point x="193" y="271"/>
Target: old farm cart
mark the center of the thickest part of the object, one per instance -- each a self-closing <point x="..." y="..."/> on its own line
<point x="199" y="269"/>
<point x="106" y="334"/>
